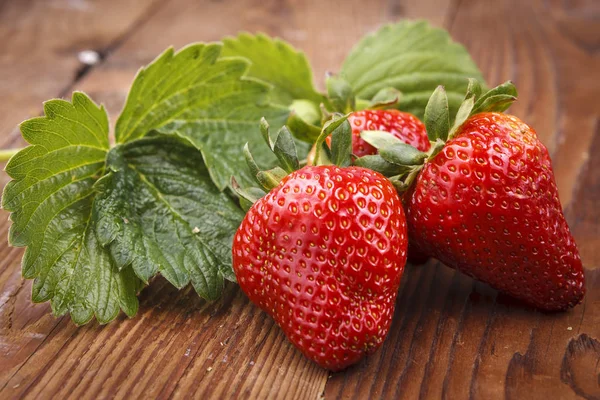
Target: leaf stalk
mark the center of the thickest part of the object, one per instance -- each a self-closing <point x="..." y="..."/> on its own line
<point x="6" y="154"/>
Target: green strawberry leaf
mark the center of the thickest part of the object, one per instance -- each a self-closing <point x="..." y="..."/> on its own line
<point x="414" y="58"/>
<point x="276" y="62"/>
<point x="340" y="94"/>
<point x="158" y="211"/>
<point x="220" y="133"/>
<point x="207" y="99"/>
<point x="50" y="199"/>
<point x="99" y="222"/>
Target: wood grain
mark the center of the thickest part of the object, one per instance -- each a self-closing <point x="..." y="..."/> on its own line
<point x="451" y="337"/>
<point x="40" y="44"/>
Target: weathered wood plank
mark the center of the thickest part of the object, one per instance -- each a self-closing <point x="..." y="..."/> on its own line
<point x="450" y="337"/>
<point x="40" y="44"/>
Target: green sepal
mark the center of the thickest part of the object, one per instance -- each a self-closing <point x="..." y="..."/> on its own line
<point x="377" y="163"/>
<point x="403" y="181"/>
<point x="393" y="151"/>
<point x="323" y="157"/>
<point x="285" y="150"/>
<point x="498" y="99"/>
<point x="398" y="183"/>
<point x="437" y="115"/>
<point x="380" y="139"/>
<point x="464" y="112"/>
<point x="341" y="144"/>
<point x="340" y="94"/>
<point x="328" y="128"/>
<point x="402" y="154"/>
<point x="385" y="98"/>
<point x="264" y="131"/>
<point x="271" y="178"/>
<point x="435" y="148"/>
<point x="307" y="110"/>
<point x="252" y="165"/>
<point x="248" y="196"/>
<point x="473" y="89"/>
<point x="301" y="129"/>
<point x="362" y="104"/>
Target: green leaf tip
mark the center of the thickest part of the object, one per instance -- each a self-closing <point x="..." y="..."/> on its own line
<point x="277" y="63"/>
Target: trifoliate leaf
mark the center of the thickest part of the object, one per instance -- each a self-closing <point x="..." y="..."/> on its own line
<point x="50" y="200"/>
<point x="158" y="211"/>
<point x="414" y="58"/>
<point x="276" y="62"/>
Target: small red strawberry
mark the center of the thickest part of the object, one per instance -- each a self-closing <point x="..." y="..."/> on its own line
<point x="402" y="125"/>
<point x="323" y="253"/>
<point x="487" y="205"/>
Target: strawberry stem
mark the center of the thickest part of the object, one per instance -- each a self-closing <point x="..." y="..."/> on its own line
<point x="6" y="154"/>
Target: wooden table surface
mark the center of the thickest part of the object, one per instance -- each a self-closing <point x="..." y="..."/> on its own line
<point x="451" y="337"/>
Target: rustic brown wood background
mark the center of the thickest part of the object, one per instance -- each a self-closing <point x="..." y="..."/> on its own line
<point x="451" y="337"/>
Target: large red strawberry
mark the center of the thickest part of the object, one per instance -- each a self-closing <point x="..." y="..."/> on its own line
<point x="487" y="205"/>
<point x="323" y="253"/>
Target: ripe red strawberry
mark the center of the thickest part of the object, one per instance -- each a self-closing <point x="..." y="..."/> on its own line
<point x="323" y="253"/>
<point x="402" y="125"/>
<point x="488" y="205"/>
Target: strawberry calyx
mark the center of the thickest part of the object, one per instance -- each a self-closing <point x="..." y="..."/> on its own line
<point x="284" y="148"/>
<point x="401" y="162"/>
<point x="343" y="100"/>
<point x="305" y="115"/>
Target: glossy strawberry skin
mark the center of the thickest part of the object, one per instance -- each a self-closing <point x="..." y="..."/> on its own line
<point x="488" y="206"/>
<point x="402" y="125"/>
<point x="323" y="254"/>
